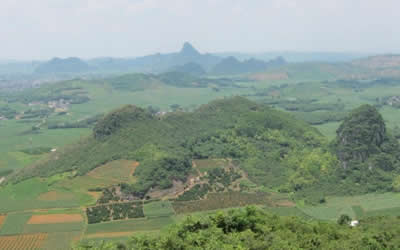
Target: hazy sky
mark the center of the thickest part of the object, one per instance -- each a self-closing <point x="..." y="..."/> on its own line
<point x="41" y="29"/>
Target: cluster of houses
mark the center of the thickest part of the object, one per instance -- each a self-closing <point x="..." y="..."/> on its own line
<point x="59" y="105"/>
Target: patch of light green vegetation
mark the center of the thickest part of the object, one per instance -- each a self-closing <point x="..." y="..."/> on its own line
<point x="158" y="209"/>
<point x="14" y="223"/>
<point x="370" y="204"/>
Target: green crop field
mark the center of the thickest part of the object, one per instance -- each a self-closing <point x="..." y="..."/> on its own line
<point x="135" y="225"/>
<point x="355" y="206"/>
<point x="158" y="209"/>
<point x="16" y="197"/>
<point x="15" y="223"/>
<point x="61" y="240"/>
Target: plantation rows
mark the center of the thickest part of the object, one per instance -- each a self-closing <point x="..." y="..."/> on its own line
<point x="28" y="241"/>
<point x="116" y="211"/>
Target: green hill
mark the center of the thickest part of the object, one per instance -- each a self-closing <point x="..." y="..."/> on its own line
<point x="271" y="148"/>
<point x="264" y="143"/>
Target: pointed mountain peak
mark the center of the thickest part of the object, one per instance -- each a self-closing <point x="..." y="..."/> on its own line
<point x="188" y="49"/>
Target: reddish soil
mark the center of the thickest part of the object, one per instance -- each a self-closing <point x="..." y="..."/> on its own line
<point x="55" y="218"/>
<point x="2" y="219"/>
<point x="55" y="196"/>
<point x="109" y="235"/>
<point x="285" y="204"/>
<point x="24" y="241"/>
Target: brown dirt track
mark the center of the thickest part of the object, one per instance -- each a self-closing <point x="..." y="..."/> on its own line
<point x="55" y="218"/>
<point x="2" y="219"/>
<point x="108" y="235"/>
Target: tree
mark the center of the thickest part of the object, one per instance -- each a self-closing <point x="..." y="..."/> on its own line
<point x="344" y="219"/>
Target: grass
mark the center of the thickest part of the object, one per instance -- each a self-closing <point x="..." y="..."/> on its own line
<point x="16" y="198"/>
<point x="135" y="225"/>
<point x="286" y="211"/>
<point x="356" y="206"/>
<point x="104" y="176"/>
<point x="15" y="223"/>
<point x="384" y="212"/>
<point x="117" y="171"/>
<point x="158" y="209"/>
<point x="61" y="240"/>
<point x="208" y="164"/>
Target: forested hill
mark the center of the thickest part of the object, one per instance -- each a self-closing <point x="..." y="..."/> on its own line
<point x="273" y="150"/>
<point x="261" y="138"/>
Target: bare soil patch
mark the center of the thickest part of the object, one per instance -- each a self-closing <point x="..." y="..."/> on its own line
<point x="54" y="196"/>
<point x="108" y="235"/>
<point x="55" y="218"/>
<point x="2" y="219"/>
<point x="95" y="195"/>
<point x="285" y="204"/>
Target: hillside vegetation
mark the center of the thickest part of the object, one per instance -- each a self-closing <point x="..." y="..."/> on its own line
<point x="264" y="142"/>
<point x="251" y="228"/>
<point x="274" y="150"/>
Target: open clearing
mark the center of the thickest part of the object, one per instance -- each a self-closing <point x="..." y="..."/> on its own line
<point x="55" y="218"/>
<point x="205" y="165"/>
<point x="119" y="171"/>
<point x="112" y="173"/>
<point x="356" y="206"/>
<point x="24" y="241"/>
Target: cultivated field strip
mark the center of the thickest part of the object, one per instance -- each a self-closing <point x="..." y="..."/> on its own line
<point x="24" y="241"/>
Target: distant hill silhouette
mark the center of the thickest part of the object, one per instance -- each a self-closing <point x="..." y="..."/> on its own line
<point x="67" y="65"/>
<point x="158" y="63"/>
<point x="231" y="65"/>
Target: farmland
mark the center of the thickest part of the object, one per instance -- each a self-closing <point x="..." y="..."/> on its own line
<point x="2" y="219"/>
<point x="135" y="225"/>
<point x="24" y="241"/>
<point x="55" y="218"/>
<point x="158" y="209"/>
<point x="356" y="206"/>
<point x="53" y="213"/>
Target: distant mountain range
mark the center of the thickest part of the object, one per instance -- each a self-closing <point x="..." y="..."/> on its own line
<point x="294" y="57"/>
<point x="188" y="59"/>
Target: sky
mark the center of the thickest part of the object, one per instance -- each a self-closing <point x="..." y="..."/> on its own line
<point x="42" y="29"/>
